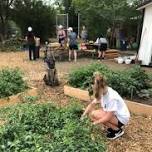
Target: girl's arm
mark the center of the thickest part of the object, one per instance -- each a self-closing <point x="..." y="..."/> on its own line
<point x="89" y="108"/>
<point x="104" y="119"/>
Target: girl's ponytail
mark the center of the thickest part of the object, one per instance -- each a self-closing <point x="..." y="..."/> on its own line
<point x="99" y="85"/>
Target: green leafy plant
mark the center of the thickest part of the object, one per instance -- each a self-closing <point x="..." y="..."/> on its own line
<point x="12" y="44"/>
<point x="49" y="128"/>
<point x="81" y="78"/>
<point x="30" y="99"/>
<point x="128" y="83"/>
<point x="11" y="82"/>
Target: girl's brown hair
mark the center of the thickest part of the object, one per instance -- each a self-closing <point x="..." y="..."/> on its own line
<point x="99" y="86"/>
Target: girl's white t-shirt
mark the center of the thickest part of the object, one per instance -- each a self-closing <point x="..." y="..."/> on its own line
<point x="113" y="102"/>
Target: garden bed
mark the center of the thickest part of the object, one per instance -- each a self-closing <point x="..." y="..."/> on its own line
<point x="46" y="127"/>
<point x="14" y="99"/>
<point x="136" y="108"/>
<point x="133" y="83"/>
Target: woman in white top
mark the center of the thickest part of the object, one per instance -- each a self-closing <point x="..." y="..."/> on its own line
<point x="102" y="44"/>
<point x="113" y="112"/>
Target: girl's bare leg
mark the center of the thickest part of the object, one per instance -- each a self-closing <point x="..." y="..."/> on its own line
<point x="99" y="54"/>
<point x="103" y="54"/>
<point x="75" y="55"/>
<point x="99" y="114"/>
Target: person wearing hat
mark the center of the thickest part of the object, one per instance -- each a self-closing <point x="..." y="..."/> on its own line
<point x="30" y="38"/>
<point x="84" y="34"/>
<point x="73" y="44"/>
<point x="61" y="35"/>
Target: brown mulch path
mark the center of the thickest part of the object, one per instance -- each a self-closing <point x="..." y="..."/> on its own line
<point x="138" y="134"/>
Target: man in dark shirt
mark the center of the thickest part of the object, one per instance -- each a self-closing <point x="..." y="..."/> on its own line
<point x="31" y="43"/>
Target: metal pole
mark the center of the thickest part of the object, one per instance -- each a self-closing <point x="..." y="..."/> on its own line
<point x="56" y="26"/>
<point x="78" y="25"/>
<point x="67" y="22"/>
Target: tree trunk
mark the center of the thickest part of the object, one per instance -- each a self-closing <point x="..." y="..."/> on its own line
<point x="3" y="27"/>
<point x="4" y="15"/>
<point x="1" y="38"/>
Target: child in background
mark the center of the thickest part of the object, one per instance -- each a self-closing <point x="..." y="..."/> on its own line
<point x="46" y="50"/>
<point x="113" y="112"/>
<point x="37" y="47"/>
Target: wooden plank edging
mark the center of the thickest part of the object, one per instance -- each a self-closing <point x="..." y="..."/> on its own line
<point x="134" y="107"/>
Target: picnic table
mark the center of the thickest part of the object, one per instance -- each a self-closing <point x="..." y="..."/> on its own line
<point x="89" y="48"/>
<point x="59" y="52"/>
<point x="84" y="49"/>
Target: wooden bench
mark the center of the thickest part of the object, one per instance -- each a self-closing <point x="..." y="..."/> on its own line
<point x="109" y="54"/>
<point x="112" y="53"/>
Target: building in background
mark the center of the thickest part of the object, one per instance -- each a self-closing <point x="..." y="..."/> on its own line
<point x="145" y="49"/>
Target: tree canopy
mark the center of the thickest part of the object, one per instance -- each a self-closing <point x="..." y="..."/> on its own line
<point x="96" y="15"/>
<point x="35" y="14"/>
<point x="26" y="13"/>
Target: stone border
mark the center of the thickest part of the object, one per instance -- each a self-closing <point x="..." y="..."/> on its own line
<point x="136" y="108"/>
<point x="14" y="99"/>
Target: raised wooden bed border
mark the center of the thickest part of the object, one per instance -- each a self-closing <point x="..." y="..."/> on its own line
<point x="136" y="108"/>
<point x="14" y="99"/>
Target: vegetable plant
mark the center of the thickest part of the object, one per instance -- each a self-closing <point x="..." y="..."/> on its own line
<point x="128" y="82"/>
<point x="38" y="128"/>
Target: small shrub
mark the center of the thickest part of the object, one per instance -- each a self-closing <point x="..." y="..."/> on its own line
<point x="11" y="45"/>
<point x="11" y="82"/>
<point x="81" y="78"/>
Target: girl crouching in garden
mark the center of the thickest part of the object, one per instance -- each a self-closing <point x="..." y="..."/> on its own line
<point x="113" y="112"/>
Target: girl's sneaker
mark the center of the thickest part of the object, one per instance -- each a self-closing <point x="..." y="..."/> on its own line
<point x="109" y="130"/>
<point x="115" y="134"/>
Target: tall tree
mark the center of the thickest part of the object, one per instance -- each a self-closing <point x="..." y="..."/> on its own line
<point x="98" y="15"/>
<point x="36" y="14"/>
<point x="68" y="7"/>
<point x="5" y="6"/>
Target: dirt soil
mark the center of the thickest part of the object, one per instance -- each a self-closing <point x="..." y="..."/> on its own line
<point x="138" y="134"/>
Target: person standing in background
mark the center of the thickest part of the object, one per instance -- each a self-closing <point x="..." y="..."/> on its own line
<point x="30" y="38"/>
<point x="109" y="34"/>
<point x="37" y="47"/>
<point x="61" y="35"/>
<point x="101" y="44"/>
<point x="123" y="43"/>
<point x="84" y="34"/>
<point x="73" y="44"/>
